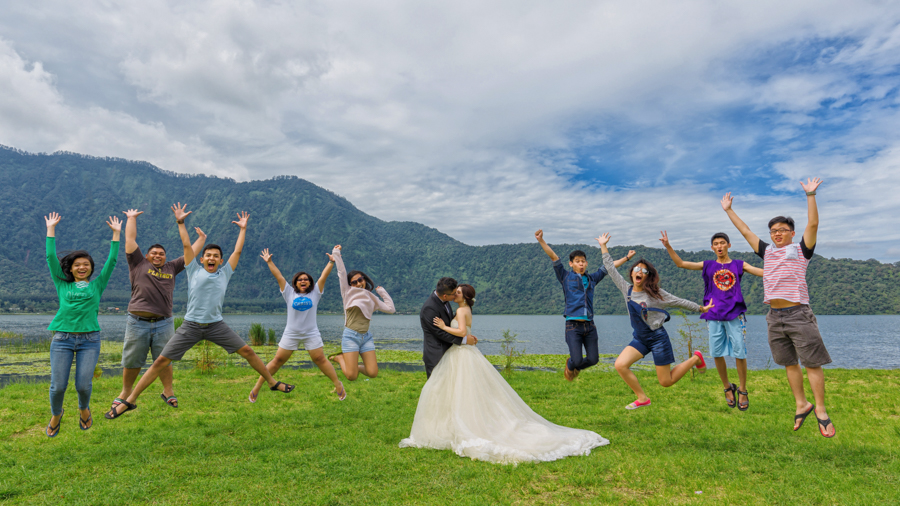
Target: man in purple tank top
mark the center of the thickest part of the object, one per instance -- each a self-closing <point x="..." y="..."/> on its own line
<point x="725" y="321"/>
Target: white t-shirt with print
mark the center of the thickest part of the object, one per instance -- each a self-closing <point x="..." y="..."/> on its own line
<point x="301" y="311"/>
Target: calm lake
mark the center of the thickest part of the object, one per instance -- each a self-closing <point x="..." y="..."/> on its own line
<point x="854" y="342"/>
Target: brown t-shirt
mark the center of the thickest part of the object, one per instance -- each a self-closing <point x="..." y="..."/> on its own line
<point x="152" y="288"/>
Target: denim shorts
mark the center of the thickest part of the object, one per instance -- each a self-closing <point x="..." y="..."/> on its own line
<point x="353" y="341"/>
<point x="142" y="337"/>
<point x="656" y="342"/>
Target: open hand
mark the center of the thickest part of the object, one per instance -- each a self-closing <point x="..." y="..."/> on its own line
<point x="243" y="216"/>
<point x="439" y="323"/>
<point x="266" y="255"/>
<point x="811" y="184"/>
<point x="704" y="309"/>
<point x="199" y="232"/>
<point x="114" y="223"/>
<point x="603" y="239"/>
<point x="52" y="219"/>
<point x="133" y="213"/>
<point x="330" y="257"/>
<point x="179" y="211"/>
<point x="726" y="201"/>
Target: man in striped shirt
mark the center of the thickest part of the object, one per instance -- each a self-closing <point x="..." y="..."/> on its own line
<point x="793" y="332"/>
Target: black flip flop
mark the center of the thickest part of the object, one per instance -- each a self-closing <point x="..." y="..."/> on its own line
<point x="802" y="417"/>
<point x="170" y="400"/>
<point x="823" y="424"/>
<point x="112" y="413"/>
<point x="54" y="430"/>
<point x="733" y="402"/>
<point x="287" y="388"/>
<point x="83" y="424"/>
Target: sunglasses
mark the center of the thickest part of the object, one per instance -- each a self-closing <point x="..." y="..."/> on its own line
<point x="357" y="281"/>
<point x="641" y="269"/>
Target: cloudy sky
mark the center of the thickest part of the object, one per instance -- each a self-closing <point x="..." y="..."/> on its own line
<point x="488" y="120"/>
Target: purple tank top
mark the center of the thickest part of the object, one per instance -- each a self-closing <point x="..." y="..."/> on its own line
<point x="722" y="286"/>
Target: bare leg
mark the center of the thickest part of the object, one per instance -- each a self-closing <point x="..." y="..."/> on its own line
<point x="741" y="364"/>
<point x="816" y="377"/>
<point x="795" y="380"/>
<point x="281" y="358"/>
<point x="668" y="377"/>
<point x="147" y="379"/>
<point x="166" y="378"/>
<point x="722" y="369"/>
<point x="349" y="363"/>
<point x="623" y="363"/>
<point x="128" y="376"/>
<point x="318" y="358"/>
<point x="257" y="364"/>
<point x="370" y="364"/>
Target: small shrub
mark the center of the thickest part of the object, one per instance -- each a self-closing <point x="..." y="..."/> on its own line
<point x="272" y="339"/>
<point x="691" y="336"/>
<point x="257" y="334"/>
<point x="509" y="350"/>
<point x="208" y="357"/>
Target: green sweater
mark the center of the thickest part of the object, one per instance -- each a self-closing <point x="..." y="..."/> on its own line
<point x="79" y="302"/>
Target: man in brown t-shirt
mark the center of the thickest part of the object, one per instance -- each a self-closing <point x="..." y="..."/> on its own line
<point x="150" y="324"/>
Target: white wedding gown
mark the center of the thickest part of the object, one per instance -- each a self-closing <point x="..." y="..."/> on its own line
<point x="468" y="407"/>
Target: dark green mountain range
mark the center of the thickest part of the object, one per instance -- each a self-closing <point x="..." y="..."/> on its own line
<point x="299" y="222"/>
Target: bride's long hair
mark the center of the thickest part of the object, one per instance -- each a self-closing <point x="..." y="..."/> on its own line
<point x="468" y="293"/>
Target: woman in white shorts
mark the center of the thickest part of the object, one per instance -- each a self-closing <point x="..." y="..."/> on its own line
<point x="302" y="298"/>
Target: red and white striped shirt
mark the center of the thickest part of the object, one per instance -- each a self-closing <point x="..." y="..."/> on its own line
<point x="784" y="273"/>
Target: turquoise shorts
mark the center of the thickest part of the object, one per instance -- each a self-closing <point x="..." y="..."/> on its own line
<point x="726" y="337"/>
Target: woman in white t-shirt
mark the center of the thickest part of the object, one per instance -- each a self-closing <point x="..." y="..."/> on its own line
<point x="302" y="298"/>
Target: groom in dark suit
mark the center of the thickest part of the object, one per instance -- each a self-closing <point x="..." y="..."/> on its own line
<point x="437" y="342"/>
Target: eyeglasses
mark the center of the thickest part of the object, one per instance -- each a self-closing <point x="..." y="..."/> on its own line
<point x="779" y="231"/>
<point x="359" y="280"/>
<point x="641" y="269"/>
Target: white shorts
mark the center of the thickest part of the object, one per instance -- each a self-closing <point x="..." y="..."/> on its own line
<point x="291" y="341"/>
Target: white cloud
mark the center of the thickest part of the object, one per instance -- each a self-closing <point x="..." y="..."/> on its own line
<point x="403" y="107"/>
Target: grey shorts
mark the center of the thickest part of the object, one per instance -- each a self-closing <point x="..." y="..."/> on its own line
<point x="142" y="337"/>
<point x="794" y="334"/>
<point x="191" y="333"/>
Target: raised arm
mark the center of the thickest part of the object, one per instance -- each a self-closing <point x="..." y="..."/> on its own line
<point x="387" y="304"/>
<point x="131" y="230"/>
<point x="670" y="300"/>
<point x="197" y="247"/>
<point x="539" y="235"/>
<point x="52" y="260"/>
<point x="243" y="216"/>
<point x="693" y="266"/>
<point x="342" y="271"/>
<point x="116" y="225"/>
<point x="756" y="271"/>
<point x="180" y="215"/>
<point x="273" y="269"/>
<point x="325" y="272"/>
<point x="618" y="263"/>
<point x="742" y="227"/>
<point x="617" y="278"/>
<point x="812" y="224"/>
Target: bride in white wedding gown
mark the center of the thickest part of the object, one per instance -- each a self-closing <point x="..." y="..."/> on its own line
<point x="468" y="407"/>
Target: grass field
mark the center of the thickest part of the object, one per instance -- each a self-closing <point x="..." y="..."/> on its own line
<point x="309" y="448"/>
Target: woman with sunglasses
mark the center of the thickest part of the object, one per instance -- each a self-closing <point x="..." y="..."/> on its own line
<point x="646" y="303"/>
<point x="302" y="298"/>
<point x="359" y="304"/>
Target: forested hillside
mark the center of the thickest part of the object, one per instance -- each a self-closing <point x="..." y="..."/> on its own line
<point x="299" y="222"/>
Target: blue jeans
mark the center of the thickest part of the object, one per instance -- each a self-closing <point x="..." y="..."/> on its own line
<point x="85" y="350"/>
<point x="582" y="333"/>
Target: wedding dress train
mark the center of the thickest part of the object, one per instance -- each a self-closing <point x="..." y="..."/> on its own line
<point x="468" y="407"/>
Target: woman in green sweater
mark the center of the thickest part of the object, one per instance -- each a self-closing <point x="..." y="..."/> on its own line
<point x="76" y="330"/>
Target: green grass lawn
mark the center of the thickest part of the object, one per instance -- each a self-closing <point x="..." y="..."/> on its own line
<point x="309" y="448"/>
